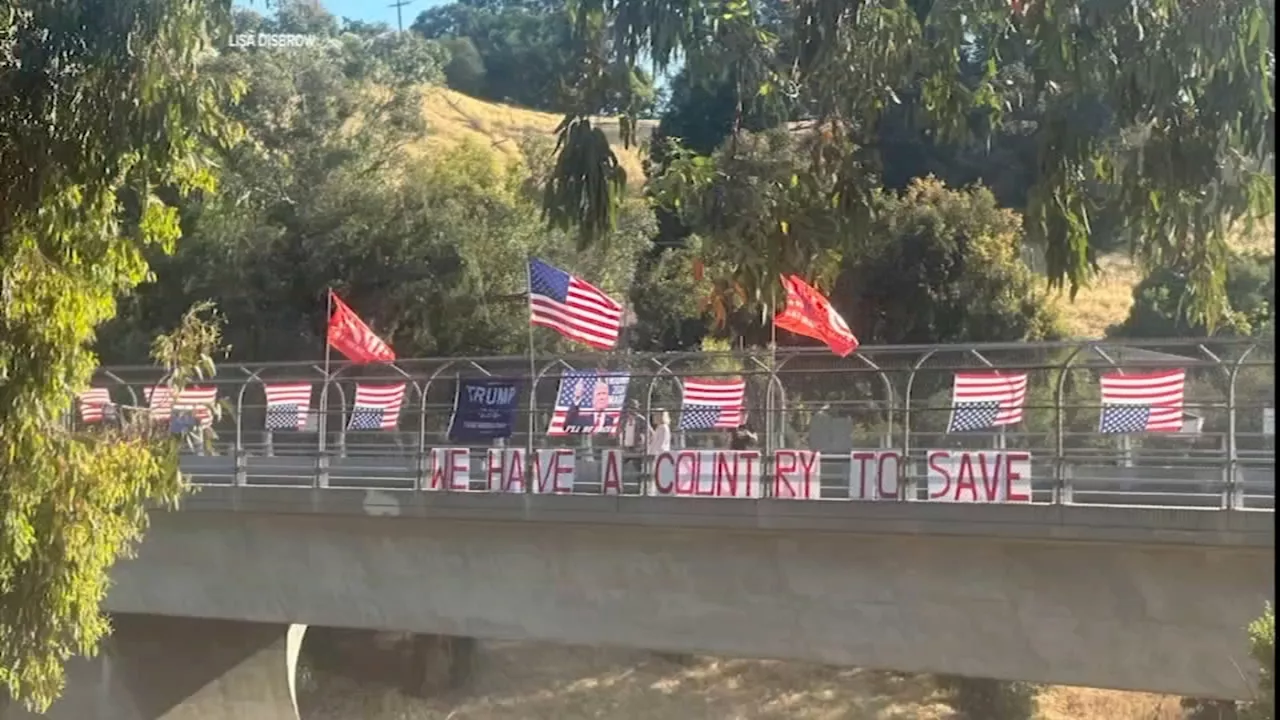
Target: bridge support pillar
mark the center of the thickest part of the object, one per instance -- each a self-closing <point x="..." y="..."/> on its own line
<point x="166" y="668"/>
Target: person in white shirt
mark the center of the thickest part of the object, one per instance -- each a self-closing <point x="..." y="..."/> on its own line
<point x="660" y="435"/>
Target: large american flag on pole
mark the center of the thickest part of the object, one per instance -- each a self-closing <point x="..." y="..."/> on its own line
<point x="572" y="307"/>
<point x="377" y="407"/>
<point x="712" y="404"/>
<point x="1142" y="402"/>
<point x="95" y="405"/>
<point x="982" y="400"/>
<point x="287" y="405"/>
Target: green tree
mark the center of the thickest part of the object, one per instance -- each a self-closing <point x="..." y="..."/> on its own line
<point x="936" y="265"/>
<point x="101" y="105"/>
<point x="429" y="249"/>
<point x="1186" y="147"/>
<point x="1262" y="648"/>
<point x="526" y="49"/>
<point x="943" y="266"/>
<point x="465" y="71"/>
<point x="668" y="301"/>
<point x="1161" y="302"/>
<point x="315" y="119"/>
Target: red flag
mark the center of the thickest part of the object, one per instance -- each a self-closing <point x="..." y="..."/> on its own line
<point x="810" y="314"/>
<point x="350" y="336"/>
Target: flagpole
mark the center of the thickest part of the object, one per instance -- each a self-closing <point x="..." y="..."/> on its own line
<point x="328" y="317"/>
<point x="533" y="370"/>
<point x="773" y="360"/>
<point x="322" y="424"/>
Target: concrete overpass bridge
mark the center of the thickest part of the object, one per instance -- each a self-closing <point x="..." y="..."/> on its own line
<point x="1129" y="564"/>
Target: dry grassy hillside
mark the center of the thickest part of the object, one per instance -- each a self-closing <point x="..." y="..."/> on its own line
<point x="453" y="118"/>
<point x="538" y="681"/>
<point x="1109" y="297"/>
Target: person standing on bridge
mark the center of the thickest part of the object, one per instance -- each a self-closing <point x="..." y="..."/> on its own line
<point x="741" y="437"/>
<point x="659" y="441"/>
<point x="633" y="438"/>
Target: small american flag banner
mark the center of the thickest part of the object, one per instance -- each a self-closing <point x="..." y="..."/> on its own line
<point x="1142" y="402"/>
<point x="982" y="400"/>
<point x="712" y="404"/>
<point x="159" y="402"/>
<point x="195" y="400"/>
<point x="377" y="407"/>
<point x="194" y="404"/>
<point x="287" y="405"/>
<point x="95" y="405"/>
<point x="572" y="307"/>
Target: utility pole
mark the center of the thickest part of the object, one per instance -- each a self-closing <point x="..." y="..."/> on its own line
<point x="397" y="5"/>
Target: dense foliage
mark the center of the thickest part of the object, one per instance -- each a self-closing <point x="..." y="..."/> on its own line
<point x="1262" y="649"/>
<point x="90" y="133"/>
<point x="522" y="52"/>
<point x="798" y="137"/>
<point x="1164" y="107"/>
<point x="934" y="264"/>
<point x="1161" y="302"/>
<point x="329" y="188"/>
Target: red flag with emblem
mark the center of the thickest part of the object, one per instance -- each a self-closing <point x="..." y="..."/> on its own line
<point x="810" y="314"/>
<point x="350" y="336"/>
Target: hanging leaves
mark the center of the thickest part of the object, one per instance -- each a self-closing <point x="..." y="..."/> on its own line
<point x="101" y="103"/>
<point x="1165" y="103"/>
<point x="586" y="187"/>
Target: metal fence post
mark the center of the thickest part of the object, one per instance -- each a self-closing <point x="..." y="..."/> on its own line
<point x="1234" y="484"/>
<point x="1062" y="485"/>
<point x="908" y="483"/>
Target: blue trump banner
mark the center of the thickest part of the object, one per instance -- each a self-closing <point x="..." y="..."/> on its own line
<point x="484" y="409"/>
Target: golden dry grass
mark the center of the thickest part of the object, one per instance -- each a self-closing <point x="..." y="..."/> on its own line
<point x="1104" y="302"/>
<point x="1074" y="703"/>
<point x="538" y="681"/>
<point x="1107" y="299"/>
<point x="454" y="118"/>
<point x="1261" y="239"/>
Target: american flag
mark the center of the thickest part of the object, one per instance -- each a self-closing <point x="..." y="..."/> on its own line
<point x="580" y="393"/>
<point x="712" y="404"/>
<point x="95" y="404"/>
<point x="377" y="407"/>
<point x="1142" y="402"/>
<point x="160" y="402"/>
<point x="196" y="400"/>
<point x="287" y="405"/>
<point x="572" y="307"/>
<point x="983" y="400"/>
<point x="192" y="402"/>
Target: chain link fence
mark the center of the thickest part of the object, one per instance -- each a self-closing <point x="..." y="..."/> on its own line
<point x="894" y="401"/>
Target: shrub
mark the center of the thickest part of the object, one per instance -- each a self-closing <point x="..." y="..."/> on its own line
<point x="1205" y="709"/>
<point x="1262" y="639"/>
<point x="987" y="699"/>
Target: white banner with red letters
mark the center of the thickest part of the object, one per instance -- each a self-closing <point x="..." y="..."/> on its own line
<point x="955" y="476"/>
<point x="979" y="476"/>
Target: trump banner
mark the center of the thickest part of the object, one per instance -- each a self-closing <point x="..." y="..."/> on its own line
<point x="589" y="402"/>
<point x="484" y="409"/>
